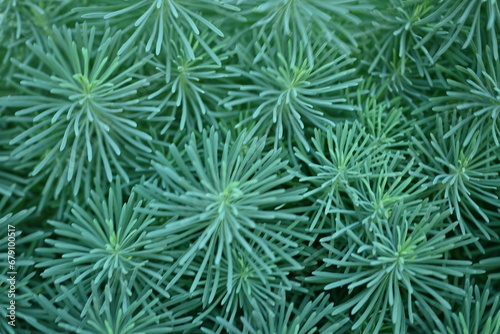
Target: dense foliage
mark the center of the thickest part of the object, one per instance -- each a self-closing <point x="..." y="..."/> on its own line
<point x="250" y="167"/>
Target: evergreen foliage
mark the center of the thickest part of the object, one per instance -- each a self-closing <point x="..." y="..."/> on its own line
<point x="250" y="167"/>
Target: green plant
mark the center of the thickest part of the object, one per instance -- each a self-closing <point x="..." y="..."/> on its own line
<point x="301" y="18"/>
<point x="298" y="317"/>
<point x="108" y="243"/>
<point x="465" y="22"/>
<point x="188" y="86"/>
<point x="250" y="167"/>
<point x="460" y="169"/>
<point x="80" y="102"/>
<point x="474" y="93"/>
<point x="158" y="21"/>
<point x="337" y="162"/>
<point x="221" y="201"/>
<point x="288" y="93"/>
<point x="400" y="270"/>
<point x="17" y="276"/>
<point x="79" y="310"/>
<point x="478" y="312"/>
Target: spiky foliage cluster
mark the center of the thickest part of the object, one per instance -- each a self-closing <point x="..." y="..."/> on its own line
<point x="287" y="318"/>
<point x="474" y="93"/>
<point x="334" y="21"/>
<point x="398" y="268"/>
<point x="223" y="202"/>
<point x="462" y="169"/>
<point x="477" y="312"/>
<point x="250" y="167"/>
<point x="156" y="22"/>
<point x="468" y="22"/>
<point x="81" y="101"/>
<point x="117" y="261"/>
<point x="287" y="94"/>
<point x="116" y="245"/>
<point x="21" y="21"/>
<point x="23" y="259"/>
<point x="187" y="92"/>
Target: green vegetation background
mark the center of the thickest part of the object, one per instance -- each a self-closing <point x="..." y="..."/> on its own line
<point x="230" y="166"/>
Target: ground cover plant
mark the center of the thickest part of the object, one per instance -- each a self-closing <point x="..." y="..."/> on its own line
<point x="257" y="167"/>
